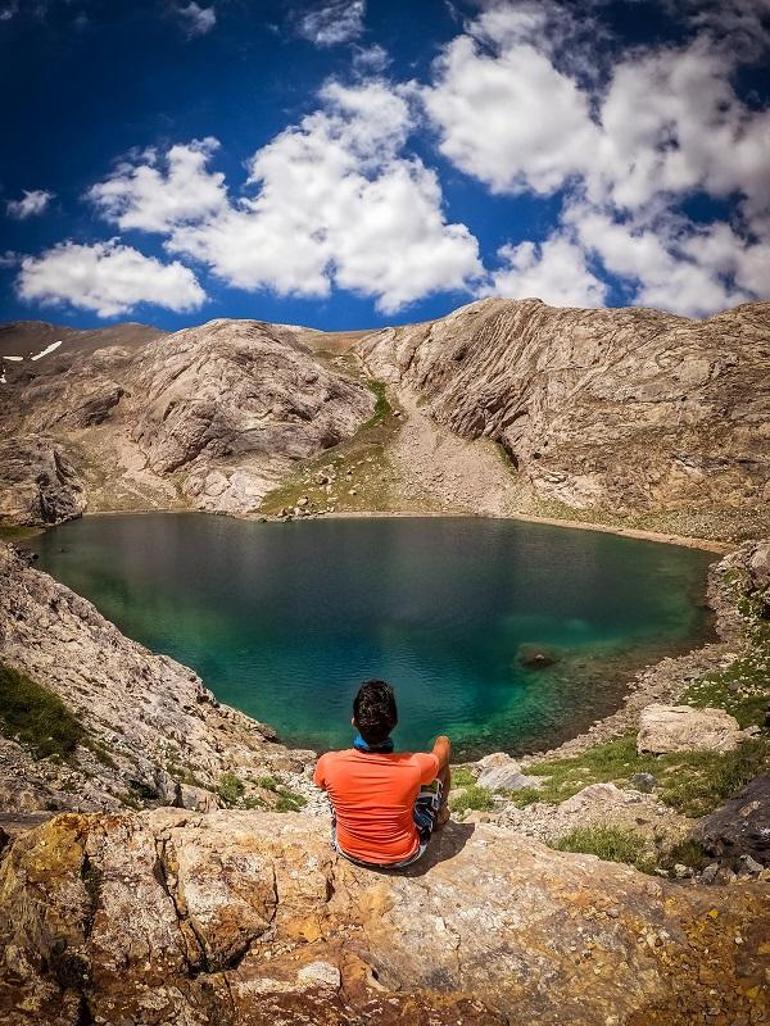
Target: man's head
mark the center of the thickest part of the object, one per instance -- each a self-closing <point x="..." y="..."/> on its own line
<point x="374" y="711"/>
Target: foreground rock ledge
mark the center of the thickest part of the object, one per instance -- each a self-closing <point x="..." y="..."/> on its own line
<point x="247" y="918"/>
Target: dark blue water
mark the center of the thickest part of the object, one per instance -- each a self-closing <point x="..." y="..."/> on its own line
<point x="284" y="620"/>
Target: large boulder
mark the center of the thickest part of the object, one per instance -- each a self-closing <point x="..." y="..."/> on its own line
<point x="742" y="825"/>
<point x="681" y="728"/>
<point x="249" y="919"/>
<point x="499" y="772"/>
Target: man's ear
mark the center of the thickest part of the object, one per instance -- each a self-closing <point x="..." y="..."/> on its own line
<point x="353" y="722"/>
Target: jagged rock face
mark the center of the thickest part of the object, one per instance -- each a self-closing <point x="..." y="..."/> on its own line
<point x="210" y="417"/>
<point x="248" y="918"/>
<point x="169" y="741"/>
<point x="626" y="409"/>
<point x="38" y="484"/>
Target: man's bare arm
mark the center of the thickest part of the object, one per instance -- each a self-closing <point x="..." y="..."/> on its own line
<point x="442" y="749"/>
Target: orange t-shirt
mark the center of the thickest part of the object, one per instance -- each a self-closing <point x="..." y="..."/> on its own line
<point x="373" y="795"/>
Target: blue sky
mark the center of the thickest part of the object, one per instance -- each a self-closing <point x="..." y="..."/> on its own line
<point x="349" y="164"/>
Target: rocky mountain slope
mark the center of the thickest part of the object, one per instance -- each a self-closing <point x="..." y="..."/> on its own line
<point x="622" y="416"/>
<point x="624" y="411"/>
<point x="247" y="919"/>
<point x="207" y="418"/>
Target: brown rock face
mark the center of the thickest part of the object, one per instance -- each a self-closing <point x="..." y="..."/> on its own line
<point x="210" y="417"/>
<point x="624" y="410"/>
<point x="248" y="918"/>
<point x="38" y="484"/>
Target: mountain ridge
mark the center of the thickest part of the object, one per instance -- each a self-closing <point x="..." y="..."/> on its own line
<point x="621" y="416"/>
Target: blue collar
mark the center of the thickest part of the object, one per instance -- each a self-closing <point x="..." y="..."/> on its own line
<point x="384" y="747"/>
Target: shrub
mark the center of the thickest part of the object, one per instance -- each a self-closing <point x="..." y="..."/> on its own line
<point x="230" y="788"/>
<point x="36" y="716"/>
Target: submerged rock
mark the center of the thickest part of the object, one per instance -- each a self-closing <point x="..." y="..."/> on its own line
<point x="534" y="657"/>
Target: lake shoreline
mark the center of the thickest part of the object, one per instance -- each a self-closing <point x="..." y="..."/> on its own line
<point x="721" y="548"/>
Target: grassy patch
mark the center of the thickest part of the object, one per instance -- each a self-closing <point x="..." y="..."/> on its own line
<point x="462" y="777"/>
<point x="358" y="465"/>
<point x="382" y="406"/>
<point x="694" y="783"/>
<point x="609" y="843"/>
<point x="689" y="852"/>
<point x="230" y="788"/>
<point x="36" y="716"/>
<point x="474" y="798"/>
<point x="286" y="800"/>
<point x="743" y="687"/>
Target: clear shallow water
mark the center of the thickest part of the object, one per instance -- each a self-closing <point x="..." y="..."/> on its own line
<point x="284" y="620"/>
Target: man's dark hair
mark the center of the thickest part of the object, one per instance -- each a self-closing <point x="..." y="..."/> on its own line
<point x="374" y="710"/>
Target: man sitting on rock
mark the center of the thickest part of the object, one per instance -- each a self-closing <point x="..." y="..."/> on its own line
<point x="383" y="814"/>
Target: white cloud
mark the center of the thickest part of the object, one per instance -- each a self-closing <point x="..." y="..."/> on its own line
<point x="336" y="202"/>
<point x="554" y="271"/>
<point x="31" y="204"/>
<point x="159" y="194"/>
<point x="197" y="20"/>
<point x="108" y="278"/>
<point x="674" y="264"/>
<point x="329" y="24"/>
<point x="509" y="118"/>
<point x="516" y="106"/>
<point x="370" y="60"/>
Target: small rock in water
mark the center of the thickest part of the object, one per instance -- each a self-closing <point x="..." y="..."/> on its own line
<point x="535" y="657"/>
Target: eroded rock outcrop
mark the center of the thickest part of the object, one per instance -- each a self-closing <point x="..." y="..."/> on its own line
<point x="625" y="410"/>
<point x="210" y="417"/>
<point x="38" y="484"/>
<point x="248" y="918"/>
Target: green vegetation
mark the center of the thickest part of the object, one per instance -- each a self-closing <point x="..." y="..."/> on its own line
<point x="358" y="465"/>
<point x="36" y="716"/>
<point x="286" y="800"/>
<point x="689" y="852"/>
<point x="382" y="407"/>
<point x="472" y="798"/>
<point x="694" y="783"/>
<point x="462" y="777"/>
<point x="230" y="789"/>
<point x="743" y="687"/>
<point x="609" y="843"/>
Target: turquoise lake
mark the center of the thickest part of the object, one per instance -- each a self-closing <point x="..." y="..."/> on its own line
<point x="285" y="620"/>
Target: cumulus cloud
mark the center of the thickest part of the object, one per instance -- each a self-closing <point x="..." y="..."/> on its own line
<point x="108" y="278"/>
<point x="329" y="24"/>
<point x="156" y="193"/>
<point x="554" y="271"/>
<point x="31" y="204"/>
<point x="516" y="106"/>
<point x="334" y="201"/>
<point x="197" y="20"/>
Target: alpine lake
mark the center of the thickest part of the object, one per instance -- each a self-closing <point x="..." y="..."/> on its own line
<point x="503" y="634"/>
